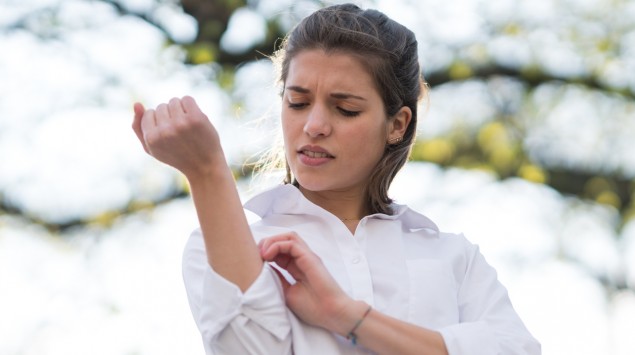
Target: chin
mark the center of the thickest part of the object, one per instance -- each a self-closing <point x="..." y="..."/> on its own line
<point x="311" y="186"/>
<point x="313" y="183"/>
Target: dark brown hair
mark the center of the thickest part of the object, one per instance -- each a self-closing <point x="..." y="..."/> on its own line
<point x="389" y="52"/>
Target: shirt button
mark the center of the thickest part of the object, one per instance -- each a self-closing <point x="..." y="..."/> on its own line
<point x="355" y="261"/>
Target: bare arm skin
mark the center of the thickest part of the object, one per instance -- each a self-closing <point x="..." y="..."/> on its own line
<point x="180" y="135"/>
<point x="318" y="300"/>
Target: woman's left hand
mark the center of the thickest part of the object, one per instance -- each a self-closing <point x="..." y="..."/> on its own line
<point x="316" y="298"/>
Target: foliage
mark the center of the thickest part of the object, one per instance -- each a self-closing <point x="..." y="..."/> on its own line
<point x="501" y="144"/>
<point x="543" y="92"/>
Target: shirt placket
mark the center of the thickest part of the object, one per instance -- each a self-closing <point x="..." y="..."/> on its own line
<point x="356" y="264"/>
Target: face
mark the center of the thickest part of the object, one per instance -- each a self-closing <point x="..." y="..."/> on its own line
<point x="333" y="120"/>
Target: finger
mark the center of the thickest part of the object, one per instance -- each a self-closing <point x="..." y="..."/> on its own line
<point x="148" y="124"/>
<point x="290" y="237"/>
<point x="271" y="249"/>
<point x="264" y="243"/>
<point x="288" y="247"/>
<point x="175" y="108"/>
<point x="283" y="260"/>
<point x="190" y="105"/>
<point x="280" y="237"/>
<point x="291" y="267"/>
<point x="139" y="110"/>
<point x="162" y="114"/>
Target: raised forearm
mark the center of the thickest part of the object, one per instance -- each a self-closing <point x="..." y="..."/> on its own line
<point x="179" y="134"/>
<point x="231" y="250"/>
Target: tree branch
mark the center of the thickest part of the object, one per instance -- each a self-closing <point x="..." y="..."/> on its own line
<point x="532" y="77"/>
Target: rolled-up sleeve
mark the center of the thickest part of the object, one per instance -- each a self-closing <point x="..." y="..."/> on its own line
<point x="489" y="325"/>
<point x="230" y="321"/>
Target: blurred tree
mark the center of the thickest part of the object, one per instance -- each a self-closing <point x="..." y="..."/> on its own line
<point x="557" y="73"/>
<point x="537" y="90"/>
<point x="497" y="146"/>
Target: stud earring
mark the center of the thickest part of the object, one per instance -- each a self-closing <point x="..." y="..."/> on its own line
<point x="395" y="140"/>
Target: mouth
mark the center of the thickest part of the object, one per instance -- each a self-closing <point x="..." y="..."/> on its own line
<point x="312" y="154"/>
<point x="315" y="152"/>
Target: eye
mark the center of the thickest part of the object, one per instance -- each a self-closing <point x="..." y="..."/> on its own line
<point x="297" y="106"/>
<point x="348" y="113"/>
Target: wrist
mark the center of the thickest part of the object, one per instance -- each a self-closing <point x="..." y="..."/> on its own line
<point x="350" y="317"/>
<point x="204" y="174"/>
<point x="352" y="334"/>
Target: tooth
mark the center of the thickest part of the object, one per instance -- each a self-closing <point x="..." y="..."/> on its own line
<point x="315" y="154"/>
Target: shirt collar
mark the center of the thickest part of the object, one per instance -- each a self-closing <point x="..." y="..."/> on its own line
<point x="410" y="218"/>
<point x="282" y="199"/>
<point x="287" y="199"/>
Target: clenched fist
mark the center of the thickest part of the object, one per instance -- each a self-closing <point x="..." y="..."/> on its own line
<point x="180" y="135"/>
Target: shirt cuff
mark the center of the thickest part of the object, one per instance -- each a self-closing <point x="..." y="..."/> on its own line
<point x="262" y="303"/>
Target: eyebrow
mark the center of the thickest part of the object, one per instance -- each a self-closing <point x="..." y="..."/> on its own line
<point x="336" y="95"/>
<point x="298" y="89"/>
<point x="344" y="95"/>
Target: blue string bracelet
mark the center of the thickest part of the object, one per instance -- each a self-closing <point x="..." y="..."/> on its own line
<point x="351" y="335"/>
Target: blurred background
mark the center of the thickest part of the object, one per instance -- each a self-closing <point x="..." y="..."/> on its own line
<point x="527" y="146"/>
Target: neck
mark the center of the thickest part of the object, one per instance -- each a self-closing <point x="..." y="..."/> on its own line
<point x="345" y="205"/>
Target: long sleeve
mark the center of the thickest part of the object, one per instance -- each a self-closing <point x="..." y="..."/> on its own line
<point x="420" y="275"/>
<point x="489" y="324"/>
<point x="232" y="322"/>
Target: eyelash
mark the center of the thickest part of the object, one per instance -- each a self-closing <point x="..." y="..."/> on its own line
<point x="344" y="112"/>
<point x="348" y="113"/>
<point x="297" y="106"/>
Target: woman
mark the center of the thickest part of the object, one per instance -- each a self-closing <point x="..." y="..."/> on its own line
<point x="333" y="266"/>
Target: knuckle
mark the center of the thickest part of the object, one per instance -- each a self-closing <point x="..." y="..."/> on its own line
<point x="147" y="114"/>
<point x="152" y="139"/>
<point x="183" y="127"/>
<point x="158" y="136"/>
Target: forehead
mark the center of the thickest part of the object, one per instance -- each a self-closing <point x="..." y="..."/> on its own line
<point x="339" y="70"/>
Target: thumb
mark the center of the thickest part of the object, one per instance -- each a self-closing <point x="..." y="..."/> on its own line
<point x="283" y="280"/>
<point x="139" y="111"/>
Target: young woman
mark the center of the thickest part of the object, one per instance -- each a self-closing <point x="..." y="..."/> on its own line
<point x="333" y="266"/>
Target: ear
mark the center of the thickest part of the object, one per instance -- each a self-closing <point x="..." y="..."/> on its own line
<point x="398" y="124"/>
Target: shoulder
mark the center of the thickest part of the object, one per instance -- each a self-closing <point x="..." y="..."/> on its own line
<point x="421" y="226"/>
<point x="422" y="238"/>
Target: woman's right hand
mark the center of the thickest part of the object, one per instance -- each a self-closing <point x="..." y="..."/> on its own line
<point x="180" y="135"/>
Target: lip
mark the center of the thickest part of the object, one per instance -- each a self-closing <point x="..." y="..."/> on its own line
<point x="313" y="155"/>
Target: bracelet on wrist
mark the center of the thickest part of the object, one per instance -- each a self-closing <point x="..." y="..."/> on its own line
<point x="351" y="335"/>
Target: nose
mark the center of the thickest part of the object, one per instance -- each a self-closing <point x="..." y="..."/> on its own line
<point x="317" y="123"/>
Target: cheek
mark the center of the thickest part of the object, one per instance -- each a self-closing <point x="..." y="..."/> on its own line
<point x="286" y="129"/>
<point x="289" y="123"/>
<point x="370" y="137"/>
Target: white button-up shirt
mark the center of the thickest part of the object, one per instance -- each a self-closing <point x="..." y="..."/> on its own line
<point x="400" y="264"/>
